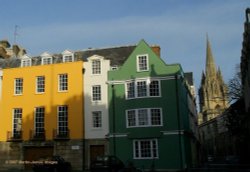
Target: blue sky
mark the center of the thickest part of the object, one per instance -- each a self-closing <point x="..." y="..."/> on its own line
<point x="178" y="26"/>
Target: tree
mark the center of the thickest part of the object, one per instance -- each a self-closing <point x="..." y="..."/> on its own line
<point x="235" y="91"/>
<point x="235" y="115"/>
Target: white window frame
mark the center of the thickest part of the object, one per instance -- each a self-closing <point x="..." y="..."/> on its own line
<point x="26" y="62"/>
<point x="68" y="58"/>
<point x="136" y="87"/>
<point x="39" y="119"/>
<point x="138" y="149"/>
<point x="97" y="119"/>
<point x="18" y="86"/>
<point x="62" y="120"/>
<point x="46" y="60"/>
<point x="96" y="96"/>
<point x="139" y="121"/>
<point x="17" y="121"/>
<point x="96" y="69"/>
<point x="139" y="64"/>
<point x="40" y="84"/>
<point x="63" y="82"/>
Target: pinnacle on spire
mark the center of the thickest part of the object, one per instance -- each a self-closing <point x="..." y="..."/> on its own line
<point x="210" y="65"/>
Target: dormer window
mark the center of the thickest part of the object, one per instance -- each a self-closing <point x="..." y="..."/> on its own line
<point x="46" y="58"/>
<point x="96" y="64"/>
<point x="142" y="63"/>
<point x="26" y="61"/>
<point x="68" y="56"/>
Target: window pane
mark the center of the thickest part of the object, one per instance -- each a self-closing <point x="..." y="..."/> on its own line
<point x="142" y="63"/>
<point x="40" y="84"/>
<point x="136" y="147"/>
<point x="155" y="116"/>
<point x="18" y="86"/>
<point x="17" y="122"/>
<point x="68" y="58"/>
<point x="154" y="148"/>
<point x="39" y="120"/>
<point x="131" y="118"/>
<point x="62" y="120"/>
<point x="96" y="93"/>
<point x="145" y="149"/>
<point x="154" y="88"/>
<point x="26" y="62"/>
<point x="96" y="67"/>
<point x="141" y="89"/>
<point x="63" y="82"/>
<point x="46" y="60"/>
<point x="97" y="119"/>
<point x="131" y="89"/>
<point x="142" y="117"/>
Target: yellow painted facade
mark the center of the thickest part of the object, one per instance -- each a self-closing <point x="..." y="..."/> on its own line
<point x="50" y="99"/>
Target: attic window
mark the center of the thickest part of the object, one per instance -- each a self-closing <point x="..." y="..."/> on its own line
<point x="68" y="58"/>
<point x="26" y="62"/>
<point x="46" y="60"/>
<point x="142" y="63"/>
<point x="96" y="66"/>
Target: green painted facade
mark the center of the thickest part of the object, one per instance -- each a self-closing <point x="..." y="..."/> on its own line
<point x="174" y="137"/>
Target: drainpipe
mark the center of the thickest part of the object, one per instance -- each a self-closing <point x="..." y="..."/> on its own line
<point x="114" y="126"/>
<point x="178" y="120"/>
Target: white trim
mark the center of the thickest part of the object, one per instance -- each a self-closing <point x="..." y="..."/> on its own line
<point x="115" y="82"/>
<point x="173" y="132"/>
<point x="118" y="135"/>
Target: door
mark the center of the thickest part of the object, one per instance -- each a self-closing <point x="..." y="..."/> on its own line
<point x="35" y="153"/>
<point x="96" y="150"/>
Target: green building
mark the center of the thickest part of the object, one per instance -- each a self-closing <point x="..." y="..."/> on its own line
<point x="152" y="113"/>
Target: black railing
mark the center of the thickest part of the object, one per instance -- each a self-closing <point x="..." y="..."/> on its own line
<point x="61" y="134"/>
<point x="14" y="136"/>
<point x="37" y="134"/>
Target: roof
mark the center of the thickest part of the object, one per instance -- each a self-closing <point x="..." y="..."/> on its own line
<point x="116" y="55"/>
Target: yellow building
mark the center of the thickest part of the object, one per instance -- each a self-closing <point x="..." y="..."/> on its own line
<point x="42" y="112"/>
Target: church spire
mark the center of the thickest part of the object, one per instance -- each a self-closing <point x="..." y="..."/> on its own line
<point x="210" y="65"/>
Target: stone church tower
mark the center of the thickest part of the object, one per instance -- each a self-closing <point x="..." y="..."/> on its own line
<point x="213" y="91"/>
